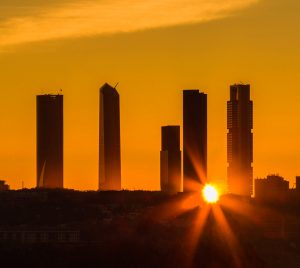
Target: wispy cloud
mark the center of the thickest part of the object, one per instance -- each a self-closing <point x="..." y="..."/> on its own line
<point x="84" y="18"/>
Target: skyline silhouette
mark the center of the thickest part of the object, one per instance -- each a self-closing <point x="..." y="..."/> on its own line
<point x="239" y="123"/>
<point x="150" y="133"/>
<point x="257" y="45"/>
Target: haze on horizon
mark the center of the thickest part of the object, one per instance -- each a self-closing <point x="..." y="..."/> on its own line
<point x="79" y="45"/>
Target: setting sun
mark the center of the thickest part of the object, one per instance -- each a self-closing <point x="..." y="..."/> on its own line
<point x="210" y="194"/>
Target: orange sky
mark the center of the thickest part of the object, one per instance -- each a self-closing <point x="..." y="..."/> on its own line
<point x="48" y="45"/>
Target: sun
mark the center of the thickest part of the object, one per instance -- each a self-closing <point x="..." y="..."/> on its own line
<point x="210" y="193"/>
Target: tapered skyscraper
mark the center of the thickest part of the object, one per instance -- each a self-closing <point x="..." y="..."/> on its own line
<point x="50" y="141"/>
<point x="240" y="141"/>
<point x="170" y="159"/>
<point x="109" y="151"/>
<point x="194" y="139"/>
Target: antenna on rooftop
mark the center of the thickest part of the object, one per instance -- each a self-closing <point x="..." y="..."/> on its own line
<point x="116" y="85"/>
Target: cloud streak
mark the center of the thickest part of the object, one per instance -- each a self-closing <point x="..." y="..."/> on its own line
<point x="85" y="18"/>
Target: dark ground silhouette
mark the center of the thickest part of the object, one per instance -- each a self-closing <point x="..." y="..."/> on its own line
<point x="146" y="229"/>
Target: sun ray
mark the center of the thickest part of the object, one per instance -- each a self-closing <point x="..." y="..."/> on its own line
<point x="193" y="238"/>
<point x="245" y="209"/>
<point x="228" y="234"/>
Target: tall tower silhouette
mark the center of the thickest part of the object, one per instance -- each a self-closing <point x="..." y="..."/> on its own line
<point x="109" y="151"/>
<point x="194" y="139"/>
<point x="240" y="140"/>
<point x="49" y="141"/>
<point x="170" y="159"/>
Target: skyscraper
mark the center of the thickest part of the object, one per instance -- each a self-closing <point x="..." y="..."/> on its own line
<point x="50" y="141"/>
<point x="109" y="151"/>
<point x="194" y="139"/>
<point x="170" y="159"/>
<point x="240" y="141"/>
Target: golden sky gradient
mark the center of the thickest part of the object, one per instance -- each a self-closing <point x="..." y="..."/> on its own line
<point x="154" y="49"/>
<point x="86" y="18"/>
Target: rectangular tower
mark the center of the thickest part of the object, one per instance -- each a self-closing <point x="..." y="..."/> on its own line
<point x="109" y="151"/>
<point x="240" y="141"/>
<point x="49" y="141"/>
<point x="194" y="139"/>
<point x="170" y="159"/>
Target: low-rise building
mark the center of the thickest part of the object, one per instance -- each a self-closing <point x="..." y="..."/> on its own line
<point x="270" y="189"/>
<point x="3" y="186"/>
<point x="41" y="236"/>
<point x="298" y="183"/>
